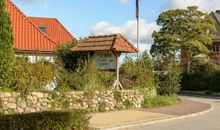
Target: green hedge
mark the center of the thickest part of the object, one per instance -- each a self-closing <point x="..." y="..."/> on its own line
<point x="59" y="120"/>
<point x="201" y="81"/>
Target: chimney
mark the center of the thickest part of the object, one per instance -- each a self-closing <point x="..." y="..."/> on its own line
<point x="218" y="12"/>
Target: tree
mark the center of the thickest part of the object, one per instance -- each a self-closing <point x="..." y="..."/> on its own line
<point x="168" y="76"/>
<point x="6" y="46"/>
<point x="187" y="30"/>
<point x="69" y="59"/>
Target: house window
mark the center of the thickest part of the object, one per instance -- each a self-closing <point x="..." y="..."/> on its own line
<point x="215" y="49"/>
<point x="42" y="28"/>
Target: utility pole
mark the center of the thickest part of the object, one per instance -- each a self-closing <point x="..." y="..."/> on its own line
<point x="138" y="23"/>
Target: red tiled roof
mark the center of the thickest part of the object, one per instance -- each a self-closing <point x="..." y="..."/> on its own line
<point x="54" y="29"/>
<point x="28" y="37"/>
<point x="114" y="42"/>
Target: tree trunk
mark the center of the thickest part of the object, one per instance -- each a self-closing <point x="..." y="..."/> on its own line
<point x="188" y="66"/>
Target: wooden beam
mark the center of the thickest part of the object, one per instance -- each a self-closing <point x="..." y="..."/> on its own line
<point x="117" y="84"/>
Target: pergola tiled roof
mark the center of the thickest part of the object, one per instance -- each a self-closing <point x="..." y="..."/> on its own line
<point x="115" y="42"/>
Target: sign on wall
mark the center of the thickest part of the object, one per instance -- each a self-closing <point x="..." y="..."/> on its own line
<point x="106" y="60"/>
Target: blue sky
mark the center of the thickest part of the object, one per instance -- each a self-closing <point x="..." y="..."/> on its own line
<point x="92" y="17"/>
<point x="79" y="16"/>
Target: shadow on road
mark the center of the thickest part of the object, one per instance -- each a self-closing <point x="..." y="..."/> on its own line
<point x="199" y="95"/>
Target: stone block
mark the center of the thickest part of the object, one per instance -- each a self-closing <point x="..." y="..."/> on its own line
<point x="7" y="95"/>
<point x="22" y="103"/>
<point x="11" y="105"/>
<point x="38" y="94"/>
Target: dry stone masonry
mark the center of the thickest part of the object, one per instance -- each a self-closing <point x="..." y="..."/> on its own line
<point x="97" y="101"/>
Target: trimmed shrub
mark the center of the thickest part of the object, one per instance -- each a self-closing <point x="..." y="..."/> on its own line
<point x="205" y="76"/>
<point x="201" y="81"/>
<point x="60" y="120"/>
<point x="214" y="82"/>
<point x="195" y="81"/>
<point x="22" y="72"/>
<point x="43" y="73"/>
<point x="32" y="76"/>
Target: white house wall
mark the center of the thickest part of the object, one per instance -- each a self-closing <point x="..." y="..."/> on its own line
<point x="35" y="58"/>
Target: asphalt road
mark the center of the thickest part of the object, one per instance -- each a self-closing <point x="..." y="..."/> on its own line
<point x="207" y="121"/>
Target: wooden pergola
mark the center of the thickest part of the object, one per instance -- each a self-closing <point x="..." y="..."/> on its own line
<point x="115" y="43"/>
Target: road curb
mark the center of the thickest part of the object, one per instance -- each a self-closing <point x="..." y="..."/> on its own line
<point x="200" y="93"/>
<point x="142" y="123"/>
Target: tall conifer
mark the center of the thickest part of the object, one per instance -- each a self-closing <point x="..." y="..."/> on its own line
<point x="6" y="46"/>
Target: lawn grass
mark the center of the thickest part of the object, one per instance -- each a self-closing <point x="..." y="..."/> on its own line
<point x="160" y="101"/>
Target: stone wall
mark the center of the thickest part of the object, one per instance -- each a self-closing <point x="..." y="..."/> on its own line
<point x="96" y="101"/>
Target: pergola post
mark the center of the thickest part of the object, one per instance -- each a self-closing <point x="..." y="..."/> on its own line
<point x="117" y="84"/>
<point x="115" y="43"/>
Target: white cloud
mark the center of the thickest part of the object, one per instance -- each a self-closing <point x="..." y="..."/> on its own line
<point x="124" y="1"/>
<point x="43" y="3"/>
<point x="204" y="5"/>
<point x="129" y="30"/>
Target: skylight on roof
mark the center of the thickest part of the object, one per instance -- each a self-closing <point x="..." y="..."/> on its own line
<point x="42" y="28"/>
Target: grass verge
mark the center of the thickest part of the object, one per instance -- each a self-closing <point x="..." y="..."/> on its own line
<point x="160" y="101"/>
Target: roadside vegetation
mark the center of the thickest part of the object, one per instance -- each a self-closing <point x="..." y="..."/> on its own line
<point x="188" y="43"/>
<point x="160" y="101"/>
<point x="160" y="71"/>
<point x="53" y="120"/>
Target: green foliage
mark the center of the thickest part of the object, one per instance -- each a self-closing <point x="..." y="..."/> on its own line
<point x="29" y="77"/>
<point x="208" y="82"/>
<point x="102" y="106"/>
<point x="65" y="104"/>
<point x="11" y="111"/>
<point x="194" y="82"/>
<point x="58" y="102"/>
<point x="55" y="104"/>
<point x="160" y="101"/>
<point x="1" y="107"/>
<point x="117" y="96"/>
<point x="22" y="72"/>
<point x="128" y="104"/>
<point x="6" y="46"/>
<point x="148" y="92"/>
<point x="188" y="30"/>
<point x="214" y="84"/>
<point x="208" y="92"/>
<point x="60" y="120"/>
<point x="139" y="73"/>
<point x="87" y="77"/>
<point x="77" y="71"/>
<point x="70" y="60"/>
<point x="169" y="78"/>
<point x="203" y="64"/>
<point x="65" y="80"/>
<point x="43" y="73"/>
<point x="5" y="89"/>
<point x="204" y="77"/>
<point x="54" y="95"/>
